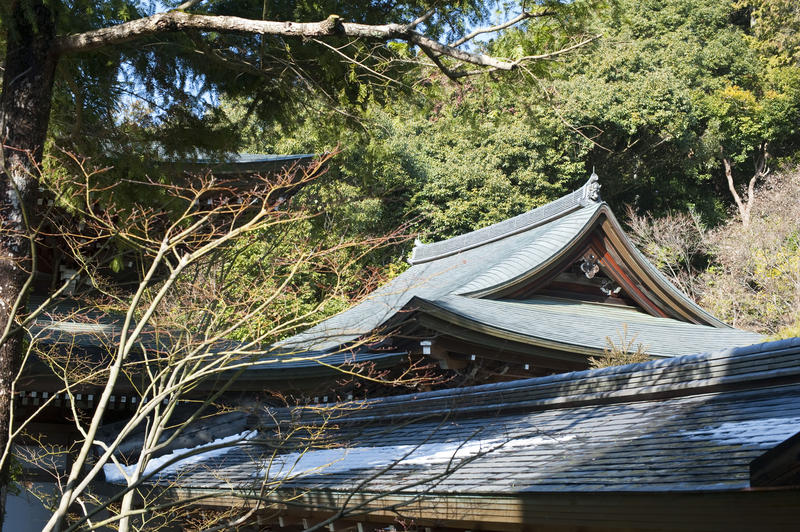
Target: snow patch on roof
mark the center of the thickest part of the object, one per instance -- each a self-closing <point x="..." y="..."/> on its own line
<point x="118" y="473"/>
<point x="330" y="461"/>
<point x="761" y="432"/>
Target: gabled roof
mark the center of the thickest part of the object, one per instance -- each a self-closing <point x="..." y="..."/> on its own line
<point x="689" y="424"/>
<point x="493" y="262"/>
<point x="506" y="260"/>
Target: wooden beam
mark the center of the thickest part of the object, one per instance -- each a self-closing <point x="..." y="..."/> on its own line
<point x="586" y="511"/>
<point x="615" y="269"/>
<point x="780" y="466"/>
<point x="505" y="352"/>
<point x="487" y="341"/>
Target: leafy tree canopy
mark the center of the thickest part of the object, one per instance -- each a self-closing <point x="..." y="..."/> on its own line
<point x="477" y="157"/>
<point x="670" y="90"/>
<point x="673" y="89"/>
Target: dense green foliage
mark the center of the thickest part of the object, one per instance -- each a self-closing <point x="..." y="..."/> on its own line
<point x="774" y="33"/>
<point x="672" y="89"/>
<point x="454" y="168"/>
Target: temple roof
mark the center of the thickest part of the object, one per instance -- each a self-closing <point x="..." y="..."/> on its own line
<point x="468" y="287"/>
<point x="68" y="325"/>
<point x="475" y="276"/>
<point x="247" y="163"/>
<point x="591" y="326"/>
<point x="688" y="423"/>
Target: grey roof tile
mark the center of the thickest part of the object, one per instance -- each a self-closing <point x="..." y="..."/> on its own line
<point x="592" y="325"/>
<point x="695" y="439"/>
<point x="523" y="222"/>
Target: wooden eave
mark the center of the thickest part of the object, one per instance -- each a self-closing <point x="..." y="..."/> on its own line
<point x="456" y="348"/>
<point x="445" y="322"/>
<point x="619" y="260"/>
<point x="551" y="511"/>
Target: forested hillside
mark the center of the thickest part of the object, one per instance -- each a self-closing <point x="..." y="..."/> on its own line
<point x="685" y="108"/>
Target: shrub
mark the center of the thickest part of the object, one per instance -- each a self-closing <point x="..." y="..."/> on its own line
<point x="618" y="353"/>
<point x="748" y="275"/>
<point x="754" y="279"/>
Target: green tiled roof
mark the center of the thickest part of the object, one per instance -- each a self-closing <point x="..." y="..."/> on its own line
<point x="453" y="275"/>
<point x="484" y="266"/>
<point x="581" y="326"/>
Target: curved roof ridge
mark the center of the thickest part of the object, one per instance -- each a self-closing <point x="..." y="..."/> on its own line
<point x="662" y="280"/>
<point x="587" y="194"/>
<point x="553" y="238"/>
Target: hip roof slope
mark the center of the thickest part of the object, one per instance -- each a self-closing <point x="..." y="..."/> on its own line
<point x="698" y="438"/>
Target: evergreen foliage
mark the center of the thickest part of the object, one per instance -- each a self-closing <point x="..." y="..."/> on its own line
<point x="673" y="88"/>
<point x="670" y="90"/>
<point x="475" y="158"/>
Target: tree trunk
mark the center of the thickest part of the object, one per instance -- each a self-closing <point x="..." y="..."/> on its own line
<point x="24" y="114"/>
<point x="743" y="205"/>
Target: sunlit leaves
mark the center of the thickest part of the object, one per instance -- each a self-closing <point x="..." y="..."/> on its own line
<point x="671" y="88"/>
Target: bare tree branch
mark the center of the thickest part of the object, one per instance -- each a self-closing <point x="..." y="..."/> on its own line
<point x="441" y="66"/>
<point x="732" y="188"/>
<point x="562" y="51"/>
<point x="428" y="14"/>
<point x="522" y="60"/>
<point x="507" y="24"/>
<point x="176" y="21"/>
<point x="745" y="204"/>
<point x="189" y="4"/>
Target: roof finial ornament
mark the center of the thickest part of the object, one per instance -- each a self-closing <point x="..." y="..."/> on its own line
<point x="591" y="190"/>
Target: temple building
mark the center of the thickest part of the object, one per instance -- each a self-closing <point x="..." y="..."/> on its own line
<point x="703" y="437"/>
<point x="537" y="294"/>
<point x="696" y="442"/>
<point x="520" y="434"/>
<point x="532" y="295"/>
